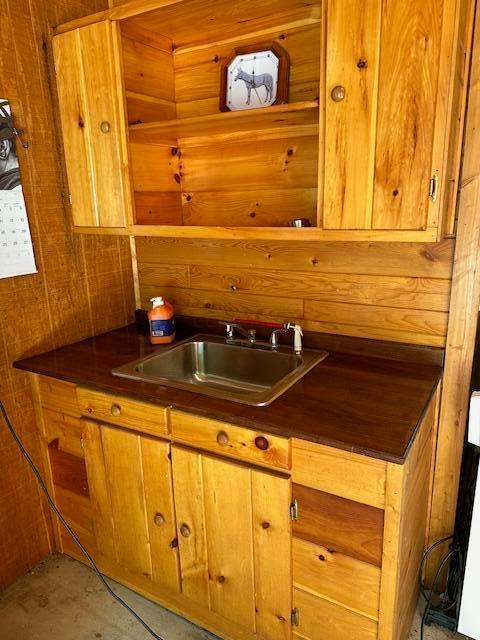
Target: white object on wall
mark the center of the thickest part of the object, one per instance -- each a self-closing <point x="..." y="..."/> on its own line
<point x="469" y="618"/>
<point x="16" y="250"/>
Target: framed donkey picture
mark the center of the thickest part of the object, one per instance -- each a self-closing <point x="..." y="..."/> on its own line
<point x="255" y="77"/>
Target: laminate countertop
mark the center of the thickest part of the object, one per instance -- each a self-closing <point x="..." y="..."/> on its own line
<point x="368" y="405"/>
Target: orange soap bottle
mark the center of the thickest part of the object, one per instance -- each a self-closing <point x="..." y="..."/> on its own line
<point x="161" y="321"/>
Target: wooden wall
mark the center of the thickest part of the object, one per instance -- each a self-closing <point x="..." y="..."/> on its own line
<point x="388" y="291"/>
<point x="84" y="285"/>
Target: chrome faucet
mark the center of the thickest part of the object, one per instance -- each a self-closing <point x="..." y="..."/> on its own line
<point x="297" y="337"/>
<point x="250" y="335"/>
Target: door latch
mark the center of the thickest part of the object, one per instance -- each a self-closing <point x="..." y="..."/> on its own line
<point x="294" y="510"/>
<point x="295" y="617"/>
<point x="433" y="190"/>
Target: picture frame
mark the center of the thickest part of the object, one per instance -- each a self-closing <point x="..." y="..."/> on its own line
<point x="256" y="88"/>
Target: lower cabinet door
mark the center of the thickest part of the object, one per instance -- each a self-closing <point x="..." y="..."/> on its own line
<point x="129" y="478"/>
<point x="234" y="540"/>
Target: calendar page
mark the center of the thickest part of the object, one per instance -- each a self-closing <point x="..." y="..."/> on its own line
<point x="16" y="251"/>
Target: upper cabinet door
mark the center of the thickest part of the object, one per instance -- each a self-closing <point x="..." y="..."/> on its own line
<point x="93" y="124"/>
<point x="385" y="98"/>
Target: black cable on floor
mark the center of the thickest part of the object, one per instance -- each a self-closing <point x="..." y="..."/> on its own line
<point x="67" y="527"/>
<point x="451" y="596"/>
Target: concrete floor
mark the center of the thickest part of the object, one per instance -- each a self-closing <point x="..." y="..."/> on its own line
<point x="61" y="599"/>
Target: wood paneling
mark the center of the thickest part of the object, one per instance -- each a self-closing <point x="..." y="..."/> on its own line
<point x="75" y="276"/>
<point x="392" y="291"/>
<point x="341" y="525"/>
<point x="462" y="323"/>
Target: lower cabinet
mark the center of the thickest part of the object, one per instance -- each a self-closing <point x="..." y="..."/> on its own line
<point x="234" y="540"/>
<point x="129" y="479"/>
<point x="216" y="531"/>
<point x="293" y="540"/>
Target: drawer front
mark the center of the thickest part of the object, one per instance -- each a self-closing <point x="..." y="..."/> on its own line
<point x="337" y="577"/>
<point x="320" y="619"/>
<point x="341" y="525"/>
<point x="342" y="473"/>
<point x="231" y="440"/>
<point x="125" y="412"/>
<point x="58" y="395"/>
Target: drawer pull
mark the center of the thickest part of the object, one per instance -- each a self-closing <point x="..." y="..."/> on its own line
<point x="115" y="410"/>
<point x="185" y="530"/>
<point x="159" y="519"/>
<point x="222" y="438"/>
<point x="261" y="443"/>
<point x="105" y="126"/>
<point x="338" y="93"/>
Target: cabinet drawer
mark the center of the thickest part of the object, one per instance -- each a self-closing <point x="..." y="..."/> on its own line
<point x="58" y="395"/>
<point x="231" y="440"/>
<point x="135" y="414"/>
<point x="341" y="525"/>
<point x="342" y="473"/>
<point x="320" y="619"/>
<point x="337" y="577"/>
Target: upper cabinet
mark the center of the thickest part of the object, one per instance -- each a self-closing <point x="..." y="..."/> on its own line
<point x="93" y="125"/>
<point x="358" y="148"/>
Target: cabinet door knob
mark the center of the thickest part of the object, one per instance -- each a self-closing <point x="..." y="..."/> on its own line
<point x="261" y="443"/>
<point x="338" y="93"/>
<point x="222" y="438"/>
<point x="159" y="519"/>
<point x="105" y="126"/>
<point x="185" y="530"/>
<point x="115" y="410"/>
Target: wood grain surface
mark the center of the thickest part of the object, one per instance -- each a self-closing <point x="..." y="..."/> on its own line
<point x="390" y="291"/>
<point x="77" y="277"/>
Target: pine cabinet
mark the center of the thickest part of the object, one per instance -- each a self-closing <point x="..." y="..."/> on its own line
<point x="302" y="541"/>
<point x="93" y="125"/>
<point x="234" y="541"/>
<point x="359" y="148"/>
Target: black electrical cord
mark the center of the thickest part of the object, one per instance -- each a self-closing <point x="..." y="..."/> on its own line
<point x="65" y="524"/>
<point x="451" y="595"/>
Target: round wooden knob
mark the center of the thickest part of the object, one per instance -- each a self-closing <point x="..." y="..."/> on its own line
<point x="159" y="519"/>
<point x="261" y="443"/>
<point x="115" y="410"/>
<point x="185" y="530"/>
<point x="222" y="438"/>
<point x="105" y="126"/>
<point x="338" y="93"/>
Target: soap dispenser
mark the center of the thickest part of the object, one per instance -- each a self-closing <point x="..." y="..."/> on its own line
<point x="161" y="321"/>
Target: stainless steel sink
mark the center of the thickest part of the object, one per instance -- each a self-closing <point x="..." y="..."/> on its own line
<point x="252" y="374"/>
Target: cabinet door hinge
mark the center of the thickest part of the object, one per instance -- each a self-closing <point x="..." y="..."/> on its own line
<point x="294" y="510"/>
<point x="433" y="189"/>
<point x="70" y="198"/>
<point x="295" y="617"/>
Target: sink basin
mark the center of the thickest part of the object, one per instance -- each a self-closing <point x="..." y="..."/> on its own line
<point x="254" y="375"/>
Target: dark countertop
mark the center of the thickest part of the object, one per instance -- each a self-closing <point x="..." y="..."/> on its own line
<point x="359" y="403"/>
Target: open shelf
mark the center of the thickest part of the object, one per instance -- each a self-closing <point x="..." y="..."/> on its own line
<point x="304" y="116"/>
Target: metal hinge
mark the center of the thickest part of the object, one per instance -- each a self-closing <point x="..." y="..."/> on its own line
<point x="433" y="190"/>
<point x="295" y="617"/>
<point x="294" y="510"/>
<point x="70" y="198"/>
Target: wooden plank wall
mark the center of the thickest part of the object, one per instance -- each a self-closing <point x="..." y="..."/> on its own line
<point x="84" y="285"/>
<point x="389" y="291"/>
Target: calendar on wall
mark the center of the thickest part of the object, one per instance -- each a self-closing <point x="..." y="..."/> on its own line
<point x="16" y="250"/>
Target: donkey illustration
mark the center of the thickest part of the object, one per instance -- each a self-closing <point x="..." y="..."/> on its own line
<point x="253" y="82"/>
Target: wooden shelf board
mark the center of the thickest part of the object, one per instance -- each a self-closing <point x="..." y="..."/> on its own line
<point x="283" y="233"/>
<point x="301" y="115"/>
